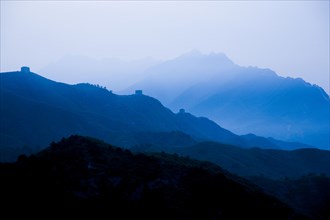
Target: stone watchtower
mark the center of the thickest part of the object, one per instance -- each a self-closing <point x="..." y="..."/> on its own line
<point x="138" y="92"/>
<point x="25" y="69"/>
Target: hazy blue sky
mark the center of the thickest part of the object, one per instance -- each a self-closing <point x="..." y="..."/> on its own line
<point x="291" y="38"/>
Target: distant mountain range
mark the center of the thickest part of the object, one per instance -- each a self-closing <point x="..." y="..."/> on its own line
<point x="242" y="99"/>
<point x="35" y="111"/>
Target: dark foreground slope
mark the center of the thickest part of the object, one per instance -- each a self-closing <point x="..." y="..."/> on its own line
<point x="84" y="177"/>
<point x="270" y="163"/>
<point x="309" y="194"/>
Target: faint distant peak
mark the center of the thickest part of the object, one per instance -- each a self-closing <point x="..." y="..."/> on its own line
<point x="197" y="53"/>
<point x="191" y="53"/>
<point x="221" y="56"/>
<point x="213" y="56"/>
<point x="218" y="54"/>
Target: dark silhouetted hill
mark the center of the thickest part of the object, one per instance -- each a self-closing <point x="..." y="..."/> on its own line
<point x="83" y="177"/>
<point x="274" y="164"/>
<point x="309" y="195"/>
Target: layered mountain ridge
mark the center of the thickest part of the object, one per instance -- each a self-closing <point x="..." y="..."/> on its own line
<point x="87" y="176"/>
<point x="242" y="99"/>
<point x="36" y="111"/>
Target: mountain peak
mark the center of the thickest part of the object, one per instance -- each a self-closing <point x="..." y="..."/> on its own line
<point x="221" y="58"/>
